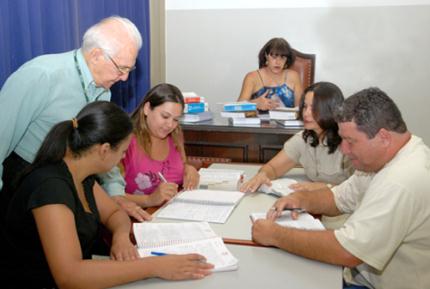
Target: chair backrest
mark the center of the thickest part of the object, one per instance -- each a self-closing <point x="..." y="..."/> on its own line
<point x="305" y="66"/>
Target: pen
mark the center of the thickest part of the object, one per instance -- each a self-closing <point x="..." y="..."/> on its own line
<point x="298" y="210"/>
<point x="158" y="253"/>
<point x="162" y="177"/>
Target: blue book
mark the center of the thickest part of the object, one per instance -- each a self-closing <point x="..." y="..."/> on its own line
<point x="196" y="107"/>
<point x="240" y="106"/>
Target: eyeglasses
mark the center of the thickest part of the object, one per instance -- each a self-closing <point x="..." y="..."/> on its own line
<point x="121" y="69"/>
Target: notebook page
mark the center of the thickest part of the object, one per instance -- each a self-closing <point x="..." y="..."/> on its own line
<point x="210" y="196"/>
<point x="196" y="212"/>
<point x="213" y="249"/>
<point x="304" y="221"/>
<point x="161" y="234"/>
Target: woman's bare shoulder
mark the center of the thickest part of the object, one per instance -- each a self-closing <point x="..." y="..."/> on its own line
<point x="292" y="74"/>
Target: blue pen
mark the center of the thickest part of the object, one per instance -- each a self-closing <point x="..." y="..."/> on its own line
<point x="158" y="253"/>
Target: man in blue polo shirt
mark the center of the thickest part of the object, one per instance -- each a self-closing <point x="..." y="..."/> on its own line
<point x="53" y="88"/>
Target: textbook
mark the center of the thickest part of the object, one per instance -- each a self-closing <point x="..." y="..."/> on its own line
<point x="196" y="117"/>
<point x="192" y="97"/>
<point x="239" y="106"/>
<point x="196" y="107"/>
<point x="283" y="114"/>
<point x="304" y="221"/>
<point x="245" y="121"/>
<point x="239" y="114"/>
<point x="213" y="206"/>
<point x="291" y="123"/>
<point x="279" y="187"/>
<point x="157" y="239"/>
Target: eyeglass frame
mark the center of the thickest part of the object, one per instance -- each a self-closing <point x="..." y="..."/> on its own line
<point x="121" y="69"/>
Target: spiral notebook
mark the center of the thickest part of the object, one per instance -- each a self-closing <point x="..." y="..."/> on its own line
<point x="201" y="205"/>
<point x="184" y="238"/>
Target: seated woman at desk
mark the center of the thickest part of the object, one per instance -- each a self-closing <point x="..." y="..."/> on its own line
<point x="317" y="148"/>
<point x="155" y="162"/>
<point x="274" y="83"/>
<point x="55" y="215"/>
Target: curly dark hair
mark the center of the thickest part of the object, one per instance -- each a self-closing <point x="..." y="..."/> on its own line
<point x="372" y="109"/>
<point x="327" y="98"/>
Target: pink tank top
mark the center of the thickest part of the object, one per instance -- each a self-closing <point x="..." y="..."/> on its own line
<point x="141" y="172"/>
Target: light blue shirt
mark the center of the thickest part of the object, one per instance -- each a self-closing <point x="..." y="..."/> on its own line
<point x="41" y="93"/>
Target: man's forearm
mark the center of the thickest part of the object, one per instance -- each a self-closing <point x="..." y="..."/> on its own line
<point x="316" y="245"/>
<point x="319" y="202"/>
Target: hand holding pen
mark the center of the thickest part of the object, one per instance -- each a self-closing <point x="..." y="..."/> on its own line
<point x="163" y="193"/>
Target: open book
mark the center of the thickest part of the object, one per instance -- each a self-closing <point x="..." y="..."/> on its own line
<point x="184" y="238"/>
<point x="304" y="221"/>
<point x="279" y="187"/>
<point x="201" y="205"/>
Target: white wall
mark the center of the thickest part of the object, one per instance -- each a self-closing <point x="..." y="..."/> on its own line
<point x="210" y="50"/>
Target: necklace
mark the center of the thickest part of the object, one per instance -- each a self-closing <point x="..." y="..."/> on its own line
<point x="80" y="76"/>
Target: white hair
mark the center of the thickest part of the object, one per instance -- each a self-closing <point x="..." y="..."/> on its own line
<point x="95" y="37"/>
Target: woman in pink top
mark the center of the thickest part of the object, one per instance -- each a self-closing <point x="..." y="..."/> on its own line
<point x="157" y="147"/>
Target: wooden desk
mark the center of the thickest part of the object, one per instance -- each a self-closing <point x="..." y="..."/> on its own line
<point x="259" y="267"/>
<point x="218" y="138"/>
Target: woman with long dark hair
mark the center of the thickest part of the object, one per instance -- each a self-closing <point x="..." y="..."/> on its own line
<point x="55" y="214"/>
<point x="316" y="148"/>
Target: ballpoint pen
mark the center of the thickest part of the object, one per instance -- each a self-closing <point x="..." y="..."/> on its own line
<point x="162" y="178"/>
<point x="158" y="253"/>
<point x="298" y="210"/>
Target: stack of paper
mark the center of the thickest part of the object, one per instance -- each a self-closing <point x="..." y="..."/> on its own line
<point x="201" y="205"/>
<point x="305" y="221"/>
<point x="184" y="238"/>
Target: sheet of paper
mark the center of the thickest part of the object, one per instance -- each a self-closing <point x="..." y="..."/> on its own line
<point x="304" y="221"/>
<point x="213" y="249"/>
<point x="196" y="212"/>
<point x="149" y="234"/>
<point x="210" y="197"/>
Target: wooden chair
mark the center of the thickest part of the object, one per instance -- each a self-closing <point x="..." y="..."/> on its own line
<point x="305" y="66"/>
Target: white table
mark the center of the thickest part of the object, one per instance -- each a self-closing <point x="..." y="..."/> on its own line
<point x="238" y="225"/>
<point x="259" y="268"/>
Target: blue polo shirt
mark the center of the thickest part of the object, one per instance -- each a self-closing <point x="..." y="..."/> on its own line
<point x="41" y="93"/>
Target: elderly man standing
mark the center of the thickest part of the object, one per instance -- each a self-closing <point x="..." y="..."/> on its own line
<point x="53" y="88"/>
<point x="386" y="241"/>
